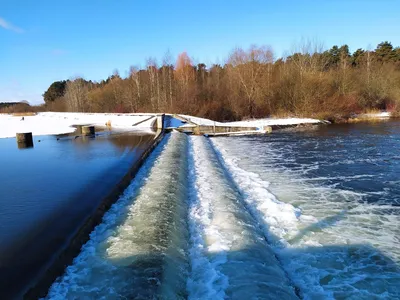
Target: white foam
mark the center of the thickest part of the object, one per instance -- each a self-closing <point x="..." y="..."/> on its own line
<point x="339" y="246"/>
<point x="139" y="236"/>
<point x="227" y="237"/>
<point x="281" y="218"/>
<point x="206" y="281"/>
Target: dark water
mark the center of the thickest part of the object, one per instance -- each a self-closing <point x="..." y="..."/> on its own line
<point x="47" y="191"/>
<point x="362" y="158"/>
<point x="334" y="212"/>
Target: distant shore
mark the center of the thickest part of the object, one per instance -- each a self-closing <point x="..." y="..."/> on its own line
<point x="50" y="123"/>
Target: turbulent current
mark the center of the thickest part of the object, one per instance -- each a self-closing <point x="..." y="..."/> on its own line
<point x="313" y="215"/>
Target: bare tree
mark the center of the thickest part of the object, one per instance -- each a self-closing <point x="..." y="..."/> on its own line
<point x="134" y="88"/>
<point x="152" y="70"/>
<point x="168" y="74"/>
<point x="185" y="76"/>
<point x="76" y="94"/>
<point x="248" y="66"/>
<point x="167" y="61"/>
<point x="116" y="84"/>
<point x="306" y="56"/>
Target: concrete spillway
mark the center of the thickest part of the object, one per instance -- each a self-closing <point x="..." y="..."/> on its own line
<point x="180" y="231"/>
<point x="139" y="251"/>
<point x="55" y="247"/>
<point x="227" y="241"/>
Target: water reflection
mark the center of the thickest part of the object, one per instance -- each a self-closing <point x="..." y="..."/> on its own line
<point x="45" y="193"/>
<point x="23" y="146"/>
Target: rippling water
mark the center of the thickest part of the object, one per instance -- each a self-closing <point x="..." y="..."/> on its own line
<point x="311" y="215"/>
<point x="335" y="215"/>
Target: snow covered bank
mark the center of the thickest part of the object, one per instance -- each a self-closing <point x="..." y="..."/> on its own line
<point x="381" y="115"/>
<point x="251" y="123"/>
<point x="57" y="123"/>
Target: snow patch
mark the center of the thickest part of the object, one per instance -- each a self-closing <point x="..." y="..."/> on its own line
<point x="251" y="123"/>
<point x="383" y="114"/>
<point x="48" y="123"/>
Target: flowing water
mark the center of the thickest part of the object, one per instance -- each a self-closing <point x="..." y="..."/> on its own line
<point x="312" y="214"/>
<point x="46" y="192"/>
<point x="139" y="251"/>
<point x="229" y="250"/>
<point x="331" y="200"/>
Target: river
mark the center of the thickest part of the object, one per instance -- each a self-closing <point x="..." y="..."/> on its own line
<point x="312" y="214"/>
<point x="333" y="208"/>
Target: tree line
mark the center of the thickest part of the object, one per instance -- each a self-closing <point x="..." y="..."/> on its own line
<point x="15" y="107"/>
<point x="252" y="83"/>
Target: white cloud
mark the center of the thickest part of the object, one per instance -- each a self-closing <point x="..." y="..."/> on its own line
<point x="9" y="26"/>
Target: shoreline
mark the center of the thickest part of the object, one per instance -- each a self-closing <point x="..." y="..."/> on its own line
<point x="53" y="123"/>
<point x="364" y="117"/>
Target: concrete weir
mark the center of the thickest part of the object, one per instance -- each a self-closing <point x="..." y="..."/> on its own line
<point x="57" y="267"/>
<point x="85" y="129"/>
<point x="159" y="122"/>
<point x="24" y="140"/>
<point x="88" y="130"/>
<point x="224" y="130"/>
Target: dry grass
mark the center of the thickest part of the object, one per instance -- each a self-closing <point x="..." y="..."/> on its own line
<point x="372" y="111"/>
<point x="24" y="114"/>
<point x="395" y="114"/>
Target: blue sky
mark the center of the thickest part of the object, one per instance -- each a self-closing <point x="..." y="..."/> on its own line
<point x="43" y="41"/>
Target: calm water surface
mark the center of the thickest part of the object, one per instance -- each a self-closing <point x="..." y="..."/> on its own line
<point x="47" y="191"/>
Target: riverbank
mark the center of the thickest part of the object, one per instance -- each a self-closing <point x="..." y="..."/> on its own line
<point x="363" y="117"/>
<point x="49" y="123"/>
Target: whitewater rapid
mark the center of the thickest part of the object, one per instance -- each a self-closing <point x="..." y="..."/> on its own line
<point x="230" y="254"/>
<point x="332" y="243"/>
<point x="224" y="218"/>
<point x="139" y="251"/>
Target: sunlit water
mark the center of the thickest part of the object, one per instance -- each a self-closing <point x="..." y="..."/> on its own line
<point x="230" y="254"/>
<point x="139" y="251"/>
<point x="340" y="235"/>
<point x="311" y="214"/>
<point x="46" y="192"/>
